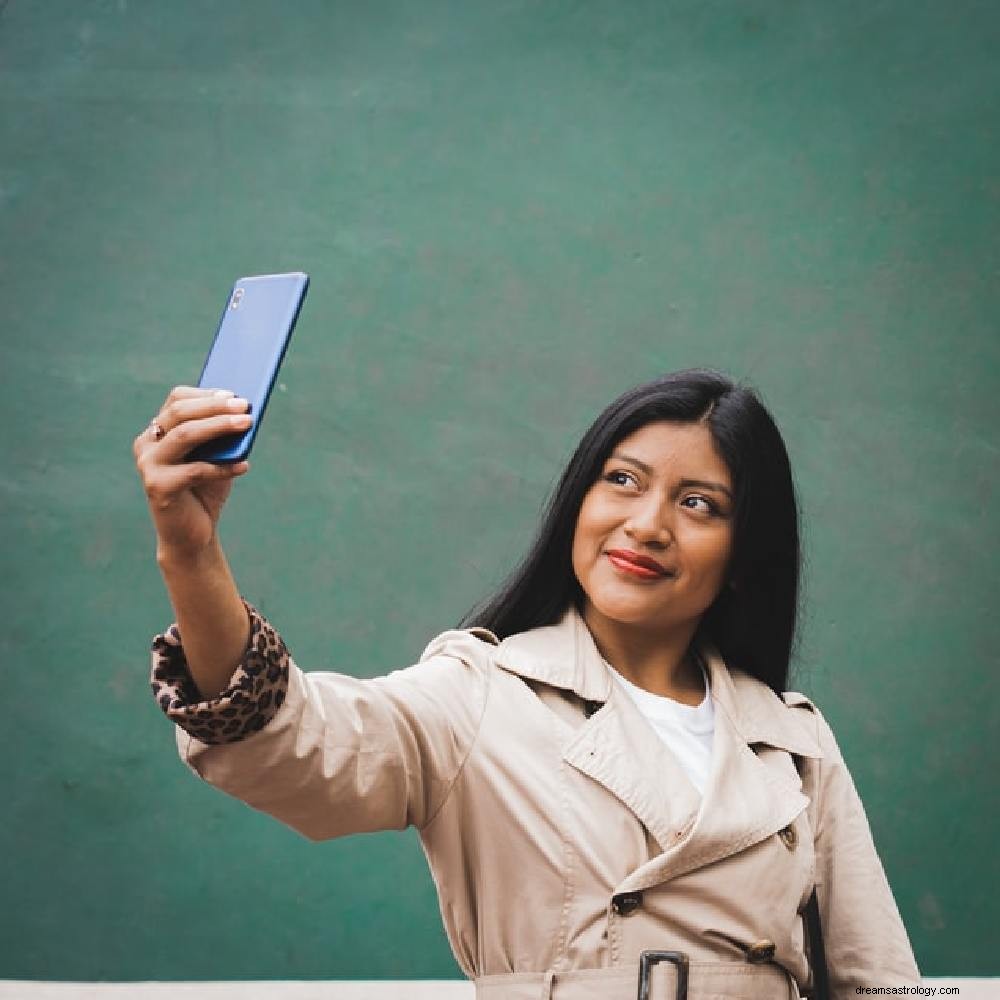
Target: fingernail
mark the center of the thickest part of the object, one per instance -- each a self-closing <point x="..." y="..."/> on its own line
<point x="223" y="393"/>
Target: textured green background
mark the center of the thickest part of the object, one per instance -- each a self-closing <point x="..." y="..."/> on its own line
<point x="511" y="211"/>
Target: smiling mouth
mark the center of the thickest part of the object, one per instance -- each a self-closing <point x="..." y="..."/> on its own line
<point x="635" y="570"/>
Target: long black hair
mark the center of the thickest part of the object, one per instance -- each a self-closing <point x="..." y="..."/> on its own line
<point x="752" y="620"/>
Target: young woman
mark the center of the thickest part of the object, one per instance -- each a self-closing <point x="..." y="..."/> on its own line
<point x="615" y="792"/>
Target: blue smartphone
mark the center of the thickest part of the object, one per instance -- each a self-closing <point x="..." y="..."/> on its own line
<point x="247" y="352"/>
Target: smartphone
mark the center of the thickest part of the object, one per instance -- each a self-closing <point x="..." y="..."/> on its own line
<point x="248" y="349"/>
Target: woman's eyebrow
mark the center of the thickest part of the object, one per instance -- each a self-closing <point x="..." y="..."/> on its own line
<point x="635" y="461"/>
<point x="705" y="484"/>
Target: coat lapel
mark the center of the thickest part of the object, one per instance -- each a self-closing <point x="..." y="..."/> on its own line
<point x="616" y="746"/>
<point x="746" y="799"/>
<point x="620" y="750"/>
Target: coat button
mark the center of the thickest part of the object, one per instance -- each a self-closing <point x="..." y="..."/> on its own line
<point x="789" y="837"/>
<point x="626" y="902"/>
<point x="761" y="951"/>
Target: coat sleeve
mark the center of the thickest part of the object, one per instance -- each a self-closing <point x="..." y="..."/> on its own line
<point x="343" y="755"/>
<point x="865" y="940"/>
<point x="255" y="691"/>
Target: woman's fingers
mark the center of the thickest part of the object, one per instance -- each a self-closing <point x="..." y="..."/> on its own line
<point x="188" y="419"/>
<point x="186" y="497"/>
<point x="181" y="410"/>
<point x="180" y="438"/>
<point x="164" y="483"/>
<point x="146" y="437"/>
<point x="192" y="392"/>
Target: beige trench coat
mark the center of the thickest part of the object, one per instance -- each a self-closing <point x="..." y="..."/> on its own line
<point x="563" y="836"/>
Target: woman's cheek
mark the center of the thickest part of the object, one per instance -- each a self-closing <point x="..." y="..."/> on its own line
<point x="716" y="558"/>
<point x="706" y="552"/>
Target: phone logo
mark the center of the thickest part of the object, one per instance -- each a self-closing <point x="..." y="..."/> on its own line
<point x="237" y="299"/>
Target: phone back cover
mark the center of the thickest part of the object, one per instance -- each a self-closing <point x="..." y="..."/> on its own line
<point x="249" y="347"/>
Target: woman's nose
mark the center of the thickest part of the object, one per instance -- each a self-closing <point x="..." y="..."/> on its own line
<point x="650" y="525"/>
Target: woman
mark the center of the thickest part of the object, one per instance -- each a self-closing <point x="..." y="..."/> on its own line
<point x="616" y="794"/>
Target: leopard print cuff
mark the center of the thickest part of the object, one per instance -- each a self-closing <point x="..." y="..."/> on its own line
<point x="256" y="690"/>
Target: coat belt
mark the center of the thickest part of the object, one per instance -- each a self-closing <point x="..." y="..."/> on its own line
<point x="707" y="981"/>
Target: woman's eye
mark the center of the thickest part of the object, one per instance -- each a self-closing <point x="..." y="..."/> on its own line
<point x="617" y="476"/>
<point x="709" y="507"/>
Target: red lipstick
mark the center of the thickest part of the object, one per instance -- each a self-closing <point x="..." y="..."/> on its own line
<point x="632" y="562"/>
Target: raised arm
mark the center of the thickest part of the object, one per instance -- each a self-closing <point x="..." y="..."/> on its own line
<point x="326" y="753"/>
<point x="185" y="500"/>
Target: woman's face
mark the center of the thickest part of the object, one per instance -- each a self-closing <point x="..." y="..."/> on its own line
<point x="665" y="493"/>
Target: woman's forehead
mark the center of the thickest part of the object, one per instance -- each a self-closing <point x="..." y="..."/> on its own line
<point x="685" y="450"/>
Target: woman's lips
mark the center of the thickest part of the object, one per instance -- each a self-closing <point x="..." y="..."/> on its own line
<point x="633" y="568"/>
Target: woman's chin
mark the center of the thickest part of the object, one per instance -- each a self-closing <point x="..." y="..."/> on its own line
<point x="626" y="610"/>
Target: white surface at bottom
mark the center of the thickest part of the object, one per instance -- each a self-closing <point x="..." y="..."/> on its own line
<point x="413" y="989"/>
<point x="423" y="989"/>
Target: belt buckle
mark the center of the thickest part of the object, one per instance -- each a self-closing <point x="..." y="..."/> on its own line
<point x="650" y="958"/>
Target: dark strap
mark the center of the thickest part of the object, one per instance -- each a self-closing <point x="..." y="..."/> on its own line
<point x="814" y="930"/>
<point x="817" y="952"/>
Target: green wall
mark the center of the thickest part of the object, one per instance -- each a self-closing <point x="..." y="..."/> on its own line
<point x="511" y="211"/>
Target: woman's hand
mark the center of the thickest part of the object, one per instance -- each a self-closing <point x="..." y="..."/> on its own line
<point x="186" y="498"/>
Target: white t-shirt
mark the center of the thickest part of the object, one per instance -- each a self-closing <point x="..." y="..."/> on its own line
<point x="687" y="730"/>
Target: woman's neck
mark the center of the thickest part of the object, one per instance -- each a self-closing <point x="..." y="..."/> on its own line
<point x="661" y="663"/>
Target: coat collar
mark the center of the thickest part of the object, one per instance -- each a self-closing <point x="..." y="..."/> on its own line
<point x="564" y="655"/>
<point x="746" y="799"/>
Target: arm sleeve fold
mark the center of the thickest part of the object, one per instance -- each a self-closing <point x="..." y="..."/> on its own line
<point x="326" y="753"/>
